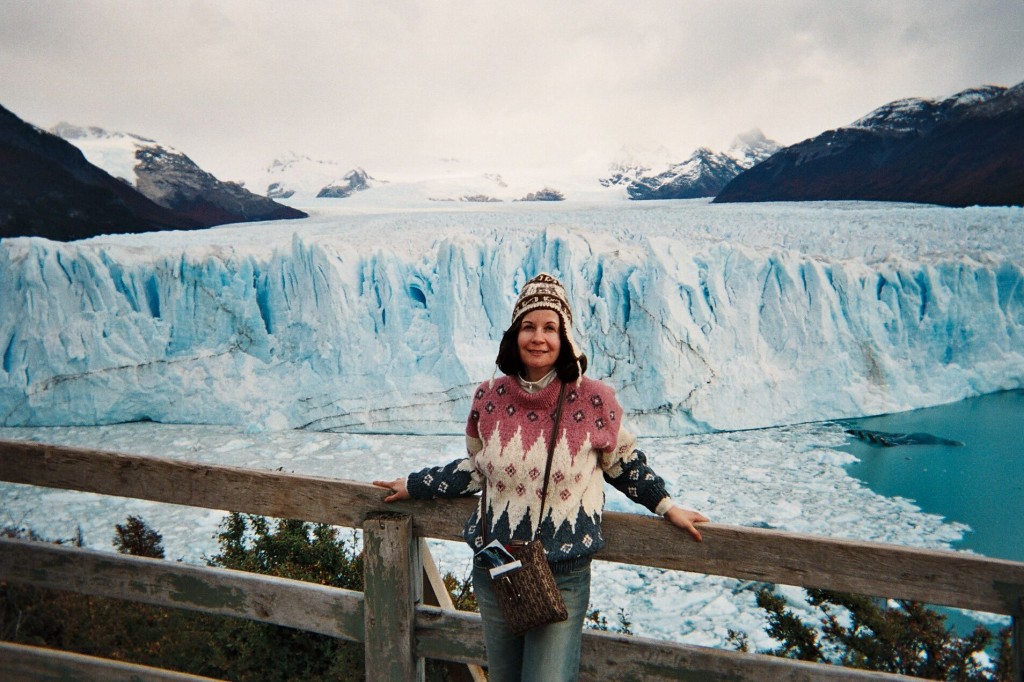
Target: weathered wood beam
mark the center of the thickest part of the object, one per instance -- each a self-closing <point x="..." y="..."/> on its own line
<point x="394" y="586"/>
<point x="20" y="662"/>
<point x="930" y="576"/>
<point x="435" y="593"/>
<point x="609" y="658"/>
<point x="292" y="603"/>
<point x="254" y="491"/>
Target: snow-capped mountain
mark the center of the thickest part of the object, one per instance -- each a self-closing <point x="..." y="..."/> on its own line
<point x="751" y="148"/>
<point x="634" y="172"/>
<point x="703" y="174"/>
<point x="914" y="115"/>
<point x="48" y="189"/>
<point x="962" y="150"/>
<point x="296" y="176"/>
<point x="305" y="181"/>
<point x="356" y="180"/>
<point x="170" y="178"/>
<point x="632" y="163"/>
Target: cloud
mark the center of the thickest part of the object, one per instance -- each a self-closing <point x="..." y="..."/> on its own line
<point x="235" y="83"/>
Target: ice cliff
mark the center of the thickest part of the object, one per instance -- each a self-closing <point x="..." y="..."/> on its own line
<point x="702" y="319"/>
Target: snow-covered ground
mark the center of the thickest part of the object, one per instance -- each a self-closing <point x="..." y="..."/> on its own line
<point x="789" y="478"/>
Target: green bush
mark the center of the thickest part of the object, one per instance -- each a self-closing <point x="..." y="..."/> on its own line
<point x="862" y="632"/>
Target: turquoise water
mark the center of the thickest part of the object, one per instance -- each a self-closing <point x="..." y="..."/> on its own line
<point x="980" y="483"/>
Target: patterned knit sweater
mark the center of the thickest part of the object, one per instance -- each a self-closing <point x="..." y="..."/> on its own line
<point x="507" y="440"/>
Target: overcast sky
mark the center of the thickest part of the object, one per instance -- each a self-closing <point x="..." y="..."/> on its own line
<point x="385" y="84"/>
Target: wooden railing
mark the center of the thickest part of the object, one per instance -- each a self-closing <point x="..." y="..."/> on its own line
<point x="390" y="615"/>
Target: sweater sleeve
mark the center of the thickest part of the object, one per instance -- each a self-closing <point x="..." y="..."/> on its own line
<point x="626" y="468"/>
<point x="454" y="479"/>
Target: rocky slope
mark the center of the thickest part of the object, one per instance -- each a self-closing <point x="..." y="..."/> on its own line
<point x="703" y="174"/>
<point x="48" y="189"/>
<point x="171" y="179"/>
<point x="963" y="150"/>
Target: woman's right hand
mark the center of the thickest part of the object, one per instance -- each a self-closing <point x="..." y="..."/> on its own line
<point x="397" y="488"/>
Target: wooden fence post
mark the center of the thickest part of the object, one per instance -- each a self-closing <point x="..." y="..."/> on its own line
<point x="1017" y="642"/>
<point x="394" y="585"/>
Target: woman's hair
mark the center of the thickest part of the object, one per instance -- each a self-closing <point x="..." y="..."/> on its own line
<point x="510" y="363"/>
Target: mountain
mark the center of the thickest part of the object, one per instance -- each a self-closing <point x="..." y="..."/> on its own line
<point x="704" y="174"/>
<point x="632" y="163"/>
<point x="963" y="150"/>
<point x="356" y="180"/>
<point x="296" y="175"/>
<point x="49" y="189"/>
<point x="171" y="179"/>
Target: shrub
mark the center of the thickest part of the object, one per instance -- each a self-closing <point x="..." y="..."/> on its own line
<point x="863" y="632"/>
<point x="137" y="539"/>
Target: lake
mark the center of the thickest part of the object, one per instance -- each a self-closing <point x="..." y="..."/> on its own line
<point x="979" y="483"/>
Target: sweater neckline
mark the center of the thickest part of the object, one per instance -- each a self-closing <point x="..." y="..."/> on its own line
<point x="544" y="397"/>
<point x="538" y="385"/>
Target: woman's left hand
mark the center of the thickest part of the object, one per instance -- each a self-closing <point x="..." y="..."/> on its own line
<point x="685" y="518"/>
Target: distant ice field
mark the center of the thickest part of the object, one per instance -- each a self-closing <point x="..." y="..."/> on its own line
<point x="787" y="478"/>
<point x="873" y="231"/>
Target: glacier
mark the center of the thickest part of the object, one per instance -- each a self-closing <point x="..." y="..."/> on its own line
<point x="380" y="315"/>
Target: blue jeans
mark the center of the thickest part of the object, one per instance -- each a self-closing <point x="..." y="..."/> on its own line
<point x="545" y="654"/>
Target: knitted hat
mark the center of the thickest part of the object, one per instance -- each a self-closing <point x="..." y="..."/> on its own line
<point x="546" y="292"/>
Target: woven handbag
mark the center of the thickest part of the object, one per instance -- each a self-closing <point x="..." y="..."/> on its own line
<point x="529" y="597"/>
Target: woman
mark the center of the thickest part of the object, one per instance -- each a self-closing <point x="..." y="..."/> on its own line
<point x="507" y="441"/>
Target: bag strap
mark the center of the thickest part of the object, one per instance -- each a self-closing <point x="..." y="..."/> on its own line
<point x="547" y="473"/>
<point x="551" y="455"/>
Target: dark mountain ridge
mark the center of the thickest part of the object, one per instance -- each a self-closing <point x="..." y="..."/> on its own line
<point x="964" y="150"/>
<point x="48" y="189"/>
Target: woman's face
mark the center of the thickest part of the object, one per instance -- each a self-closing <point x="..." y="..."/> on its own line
<point x="539" y="342"/>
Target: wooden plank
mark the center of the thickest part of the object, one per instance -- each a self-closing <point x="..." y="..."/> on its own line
<point x="608" y="657"/>
<point x="291" y="603"/>
<point x="435" y="593"/>
<point x="930" y="576"/>
<point x="934" y="577"/>
<point x="254" y="491"/>
<point x="441" y="634"/>
<point x="21" y="662"/>
<point x="394" y="586"/>
<point x="450" y="635"/>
